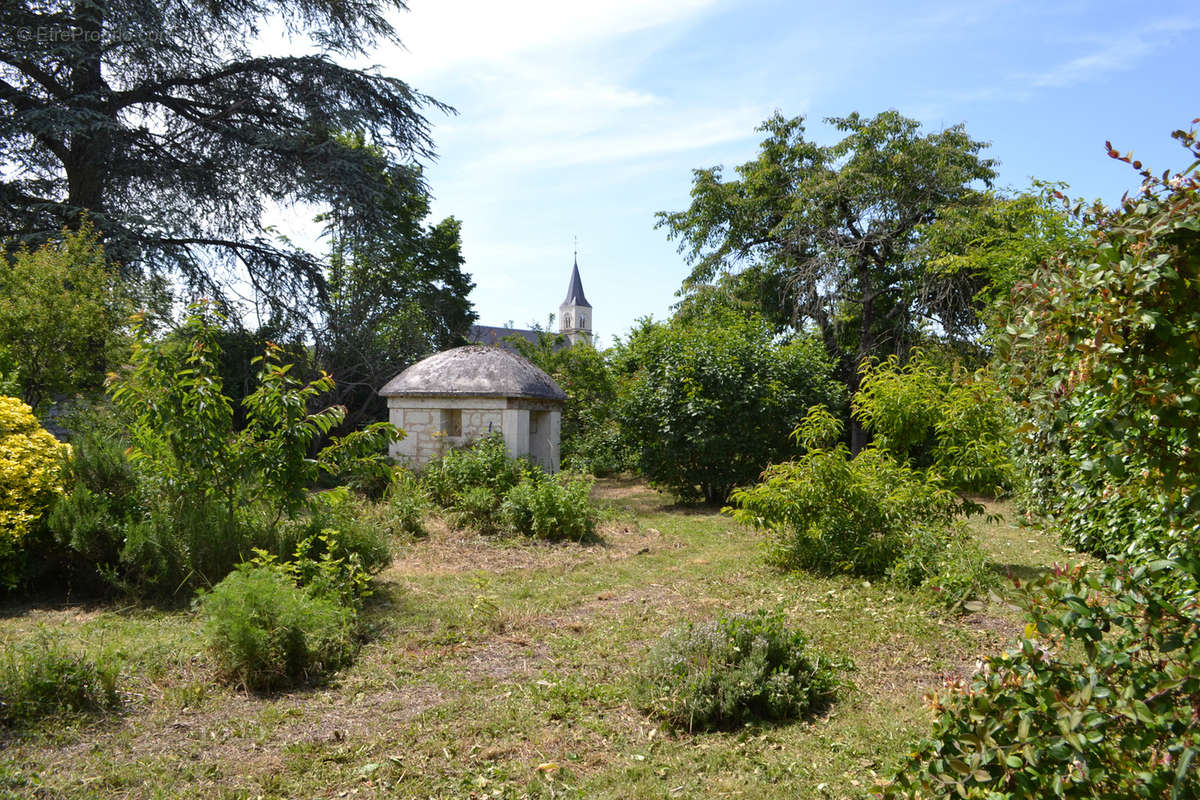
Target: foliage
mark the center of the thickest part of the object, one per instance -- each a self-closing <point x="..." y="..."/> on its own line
<point x="397" y="293"/>
<point x="406" y="504"/>
<point x="1100" y="352"/>
<point x="234" y="131"/>
<point x="732" y="670"/>
<point x="591" y="437"/>
<point x="206" y="495"/>
<point x="711" y="404"/>
<point x="983" y="249"/>
<point x="947" y="564"/>
<point x="62" y="314"/>
<point x="552" y="508"/>
<point x="830" y="512"/>
<point x="89" y="522"/>
<point x="40" y="677"/>
<point x="1097" y="700"/>
<point x="949" y="420"/>
<point x="838" y="227"/>
<point x="268" y="633"/>
<point x="483" y="465"/>
<point x="30" y="479"/>
<point x="485" y="489"/>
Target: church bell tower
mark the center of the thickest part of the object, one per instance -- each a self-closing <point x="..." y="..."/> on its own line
<point x="575" y="313"/>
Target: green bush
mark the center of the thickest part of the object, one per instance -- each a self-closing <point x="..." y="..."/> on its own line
<point x="40" y="677"/>
<point x="406" y="504"/>
<point x="552" y="508"/>
<point x="483" y="465"/>
<point x="31" y="478"/>
<point x="188" y="497"/>
<point x="484" y="489"/>
<point x="933" y="417"/>
<point x="1101" y="350"/>
<point x="92" y="518"/>
<point x="266" y="632"/>
<point x="733" y="670"/>
<point x="337" y="523"/>
<point x="712" y="401"/>
<point x="831" y="513"/>
<point x="1097" y="700"/>
<point x="948" y="564"/>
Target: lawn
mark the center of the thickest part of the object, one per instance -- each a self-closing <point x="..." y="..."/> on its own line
<point x="503" y="669"/>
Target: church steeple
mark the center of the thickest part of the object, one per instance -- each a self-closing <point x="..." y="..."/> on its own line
<point x="575" y="313"/>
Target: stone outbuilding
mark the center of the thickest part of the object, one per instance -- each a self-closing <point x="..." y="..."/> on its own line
<point x="451" y="398"/>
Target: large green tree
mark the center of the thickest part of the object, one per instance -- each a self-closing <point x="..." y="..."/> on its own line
<point x="157" y="119"/>
<point x="62" y="317"/>
<point x="836" y="227"/>
<point x="397" y="293"/>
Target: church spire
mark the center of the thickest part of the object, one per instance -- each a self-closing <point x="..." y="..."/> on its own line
<point x="575" y="296"/>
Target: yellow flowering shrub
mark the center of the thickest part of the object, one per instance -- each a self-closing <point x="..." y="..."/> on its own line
<point x="30" y="476"/>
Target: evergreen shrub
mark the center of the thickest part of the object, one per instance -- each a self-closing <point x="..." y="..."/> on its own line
<point x="733" y="670"/>
<point x="266" y="632"/>
<point x="482" y="488"/>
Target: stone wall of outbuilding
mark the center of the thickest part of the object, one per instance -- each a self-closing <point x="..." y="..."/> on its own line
<point x="530" y="427"/>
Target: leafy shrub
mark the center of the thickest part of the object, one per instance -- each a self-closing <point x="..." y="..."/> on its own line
<point x="712" y="401"/>
<point x="91" y="519"/>
<point x="831" y="513"/>
<point x="735" y="669"/>
<point x="40" y="677"/>
<point x="601" y="449"/>
<point x="206" y="496"/>
<point x="486" y="490"/>
<point x="484" y="465"/>
<point x="1101" y="352"/>
<point x="1097" y="700"/>
<point x="337" y="523"/>
<point x="948" y="564"/>
<point x="31" y="476"/>
<point x="931" y="417"/>
<point x="267" y="633"/>
<point x="406" y="503"/>
<point x="552" y="508"/>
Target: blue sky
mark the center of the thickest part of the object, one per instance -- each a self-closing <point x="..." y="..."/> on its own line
<point x="584" y="119"/>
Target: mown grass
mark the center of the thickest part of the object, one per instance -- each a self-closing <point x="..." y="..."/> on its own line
<point x="503" y="669"/>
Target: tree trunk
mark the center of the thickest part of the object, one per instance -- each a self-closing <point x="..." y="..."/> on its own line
<point x="88" y="146"/>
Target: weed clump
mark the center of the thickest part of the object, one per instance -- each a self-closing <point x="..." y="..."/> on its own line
<point x="551" y="508"/>
<point x="733" y="670"/>
<point x="41" y="677"/>
<point x="484" y="489"/>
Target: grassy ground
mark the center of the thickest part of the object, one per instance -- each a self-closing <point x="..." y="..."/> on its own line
<point x="503" y="670"/>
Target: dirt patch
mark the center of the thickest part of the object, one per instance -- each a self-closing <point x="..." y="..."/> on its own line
<point x="504" y="658"/>
<point x="1002" y="629"/>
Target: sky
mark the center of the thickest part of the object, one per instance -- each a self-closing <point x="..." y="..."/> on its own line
<point x="580" y="121"/>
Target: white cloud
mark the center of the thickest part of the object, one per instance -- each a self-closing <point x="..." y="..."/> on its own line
<point x="1113" y="55"/>
<point x="442" y="35"/>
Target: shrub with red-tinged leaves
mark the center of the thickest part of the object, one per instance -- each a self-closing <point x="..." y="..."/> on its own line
<point x="1101" y="698"/>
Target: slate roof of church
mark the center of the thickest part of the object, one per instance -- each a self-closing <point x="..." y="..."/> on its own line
<point x="494" y="334"/>
<point x="475" y="370"/>
<point x="575" y="296"/>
